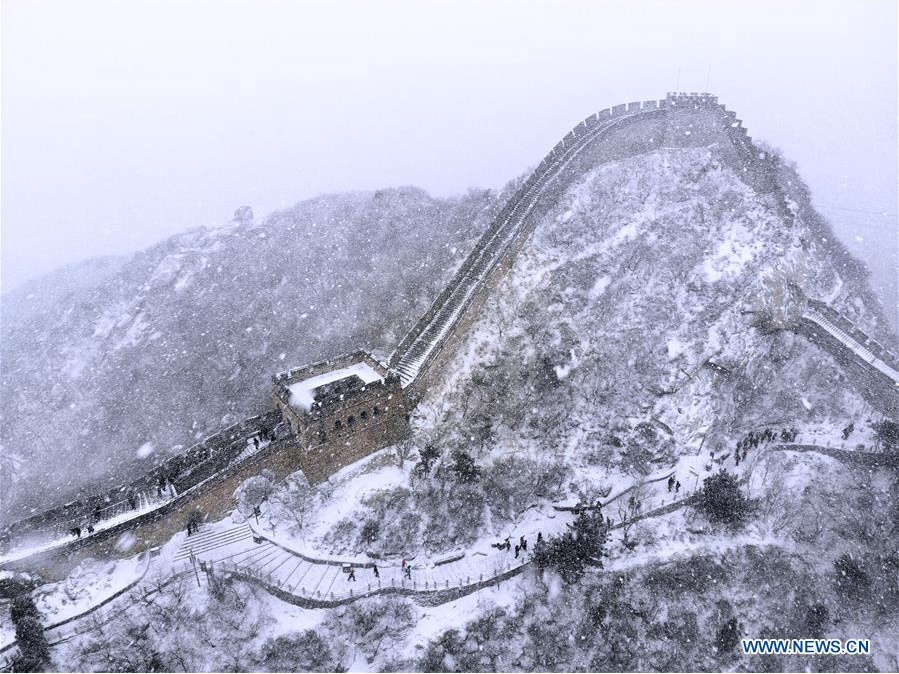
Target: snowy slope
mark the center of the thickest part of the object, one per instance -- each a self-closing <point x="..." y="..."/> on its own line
<point x="621" y="345"/>
<point x="632" y="305"/>
<point x="183" y="338"/>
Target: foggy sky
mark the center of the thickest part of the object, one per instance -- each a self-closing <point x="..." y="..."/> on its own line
<point x="123" y="123"/>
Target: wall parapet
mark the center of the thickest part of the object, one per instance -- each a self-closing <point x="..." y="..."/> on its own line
<point x="445" y="309"/>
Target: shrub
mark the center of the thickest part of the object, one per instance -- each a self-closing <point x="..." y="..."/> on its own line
<point x="850" y="579"/>
<point x="22" y="606"/>
<point x="34" y="653"/>
<point x="464" y="467"/>
<point x="426" y="459"/>
<point x="722" y="502"/>
<point x="888" y="433"/>
<point x="816" y="620"/>
<point x="728" y="637"/>
<point x="298" y="652"/>
<point x="570" y="554"/>
<point x="370" y="531"/>
<point x="442" y="654"/>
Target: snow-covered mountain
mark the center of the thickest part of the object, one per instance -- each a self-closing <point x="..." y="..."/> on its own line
<point x="629" y="342"/>
<point x="625" y="340"/>
<point x="109" y="356"/>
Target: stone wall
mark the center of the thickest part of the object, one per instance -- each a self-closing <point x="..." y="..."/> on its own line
<point x="342" y="428"/>
<point x="693" y="120"/>
<point x="183" y="471"/>
<point x="877" y="389"/>
<point x="213" y="498"/>
<point x="369" y="420"/>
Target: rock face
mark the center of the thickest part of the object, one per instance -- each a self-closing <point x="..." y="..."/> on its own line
<point x="634" y="306"/>
<point x="153" y="352"/>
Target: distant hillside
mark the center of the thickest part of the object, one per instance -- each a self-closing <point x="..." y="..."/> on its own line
<point x="168" y="346"/>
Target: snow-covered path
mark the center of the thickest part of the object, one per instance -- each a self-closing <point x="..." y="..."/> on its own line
<point x="316" y="580"/>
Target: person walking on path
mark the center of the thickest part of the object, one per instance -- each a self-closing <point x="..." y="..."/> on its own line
<point x="523" y="544"/>
<point x="539" y="537"/>
<point x="404" y="564"/>
<point x="677" y="487"/>
<point x="374" y="568"/>
<point x="671" y="483"/>
<point x="516" y="551"/>
<point x="352" y="574"/>
<point x="409" y="571"/>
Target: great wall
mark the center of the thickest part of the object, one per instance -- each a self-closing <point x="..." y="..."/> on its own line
<point x="330" y="414"/>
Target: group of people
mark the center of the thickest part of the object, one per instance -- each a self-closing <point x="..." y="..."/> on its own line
<point x="755" y="438"/>
<point x="87" y="529"/>
<point x="674" y="483"/>
<point x="77" y="531"/>
<point x="162" y="485"/>
<point x="521" y="546"/>
<point x="351" y="571"/>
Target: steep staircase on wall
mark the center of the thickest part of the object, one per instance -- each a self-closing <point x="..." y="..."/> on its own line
<point x="852" y="344"/>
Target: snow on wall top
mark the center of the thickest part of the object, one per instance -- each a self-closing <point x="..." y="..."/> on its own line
<point x="302" y="393"/>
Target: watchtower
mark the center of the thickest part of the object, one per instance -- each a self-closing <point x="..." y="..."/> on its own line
<point x="340" y="410"/>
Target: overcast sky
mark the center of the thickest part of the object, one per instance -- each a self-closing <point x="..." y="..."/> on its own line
<point x="125" y="122"/>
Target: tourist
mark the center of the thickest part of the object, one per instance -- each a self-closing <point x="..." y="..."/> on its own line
<point x="523" y="542"/>
<point x="677" y="487"/>
<point x="374" y="568"/>
<point x="352" y="573"/>
<point x="516" y="551"/>
<point x="671" y="483"/>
